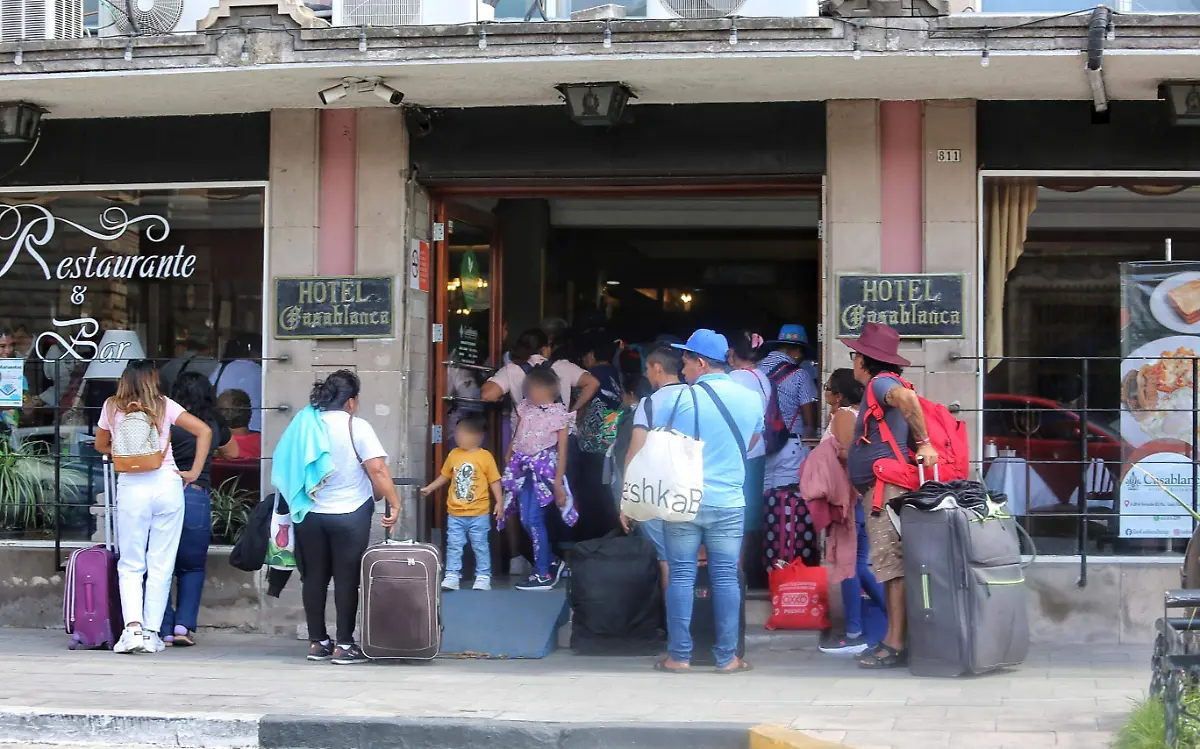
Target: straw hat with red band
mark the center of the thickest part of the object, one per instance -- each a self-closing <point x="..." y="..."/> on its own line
<point x="881" y="343"/>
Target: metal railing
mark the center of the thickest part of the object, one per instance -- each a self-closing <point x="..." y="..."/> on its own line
<point x="50" y="473"/>
<point x="1093" y="430"/>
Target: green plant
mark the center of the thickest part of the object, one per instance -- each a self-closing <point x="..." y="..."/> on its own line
<point x="230" y="511"/>
<point x="27" y="495"/>
<point x="1146" y="727"/>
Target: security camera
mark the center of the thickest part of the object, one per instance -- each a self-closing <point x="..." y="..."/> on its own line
<point x="333" y="93"/>
<point x="389" y="94"/>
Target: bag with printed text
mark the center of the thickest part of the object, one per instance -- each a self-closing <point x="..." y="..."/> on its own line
<point x="665" y="479"/>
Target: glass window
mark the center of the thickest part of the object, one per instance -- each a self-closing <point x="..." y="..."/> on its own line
<point x="90" y="278"/>
<point x="1093" y="323"/>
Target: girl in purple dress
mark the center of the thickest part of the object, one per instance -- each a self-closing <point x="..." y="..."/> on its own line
<point x="535" y="471"/>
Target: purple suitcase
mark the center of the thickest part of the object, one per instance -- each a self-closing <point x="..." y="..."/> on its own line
<point x="91" y="599"/>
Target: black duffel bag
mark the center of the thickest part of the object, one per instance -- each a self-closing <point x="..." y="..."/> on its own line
<point x="615" y="596"/>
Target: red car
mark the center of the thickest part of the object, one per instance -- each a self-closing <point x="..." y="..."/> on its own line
<point x="1041" y="430"/>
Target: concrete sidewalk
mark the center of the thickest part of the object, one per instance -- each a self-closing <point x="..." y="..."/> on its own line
<point x="250" y="690"/>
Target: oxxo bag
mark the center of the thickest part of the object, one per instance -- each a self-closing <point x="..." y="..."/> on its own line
<point x="799" y="597"/>
<point x="136" y="445"/>
<point x="665" y="480"/>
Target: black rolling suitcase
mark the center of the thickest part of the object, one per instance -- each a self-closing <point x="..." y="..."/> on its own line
<point x="704" y="622"/>
<point x="616" y="601"/>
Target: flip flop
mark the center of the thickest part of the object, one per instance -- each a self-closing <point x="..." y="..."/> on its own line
<point x="664" y="668"/>
<point x="184" y="641"/>
<point x="742" y="667"/>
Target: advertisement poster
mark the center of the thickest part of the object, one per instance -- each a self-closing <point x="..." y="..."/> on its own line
<point x="11" y="377"/>
<point x="1160" y="343"/>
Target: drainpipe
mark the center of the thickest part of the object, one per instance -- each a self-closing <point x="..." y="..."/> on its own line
<point x="1097" y="30"/>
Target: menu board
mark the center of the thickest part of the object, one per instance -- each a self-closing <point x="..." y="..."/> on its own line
<point x="1160" y="344"/>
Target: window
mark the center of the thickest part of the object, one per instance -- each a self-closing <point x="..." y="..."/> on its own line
<point x="93" y="277"/>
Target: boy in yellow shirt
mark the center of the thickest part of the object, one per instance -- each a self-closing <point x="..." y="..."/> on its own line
<point x="471" y="471"/>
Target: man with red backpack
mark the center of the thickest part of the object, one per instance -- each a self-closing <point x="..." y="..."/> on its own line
<point x="889" y="436"/>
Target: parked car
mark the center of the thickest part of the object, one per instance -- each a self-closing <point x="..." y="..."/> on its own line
<point x="1048" y="436"/>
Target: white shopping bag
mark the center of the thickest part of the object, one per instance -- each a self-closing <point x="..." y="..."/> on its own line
<point x="665" y="480"/>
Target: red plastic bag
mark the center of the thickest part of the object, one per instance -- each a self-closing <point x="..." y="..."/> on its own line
<point x="799" y="597"/>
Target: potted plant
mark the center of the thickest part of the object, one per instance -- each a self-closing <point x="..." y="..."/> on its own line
<point x="230" y="511"/>
<point x="27" y="496"/>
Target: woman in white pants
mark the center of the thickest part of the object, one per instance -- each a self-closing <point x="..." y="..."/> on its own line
<point x="149" y="505"/>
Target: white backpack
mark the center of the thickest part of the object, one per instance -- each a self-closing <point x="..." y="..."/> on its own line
<point x="136" y="443"/>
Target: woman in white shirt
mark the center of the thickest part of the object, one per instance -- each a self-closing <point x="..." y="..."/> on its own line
<point x="336" y="531"/>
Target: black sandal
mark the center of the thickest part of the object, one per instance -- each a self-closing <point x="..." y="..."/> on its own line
<point x="890" y="658"/>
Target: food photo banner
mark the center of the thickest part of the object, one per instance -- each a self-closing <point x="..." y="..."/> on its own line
<point x="1160" y="342"/>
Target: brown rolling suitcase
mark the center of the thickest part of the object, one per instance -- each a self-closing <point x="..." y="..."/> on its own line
<point x="402" y="600"/>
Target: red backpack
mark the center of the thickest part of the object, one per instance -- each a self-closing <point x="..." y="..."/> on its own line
<point x="947" y="434"/>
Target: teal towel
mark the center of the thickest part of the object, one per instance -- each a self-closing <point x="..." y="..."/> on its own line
<point x="302" y="462"/>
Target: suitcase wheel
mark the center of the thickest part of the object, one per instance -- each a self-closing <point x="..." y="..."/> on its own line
<point x="74" y="643"/>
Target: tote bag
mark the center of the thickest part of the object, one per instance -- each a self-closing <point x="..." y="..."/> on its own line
<point x="665" y="480"/>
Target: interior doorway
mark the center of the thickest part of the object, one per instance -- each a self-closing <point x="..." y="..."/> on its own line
<point x="632" y="263"/>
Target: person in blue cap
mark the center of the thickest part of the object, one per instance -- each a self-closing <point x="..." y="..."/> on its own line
<point x="730" y="421"/>
<point x="788" y="527"/>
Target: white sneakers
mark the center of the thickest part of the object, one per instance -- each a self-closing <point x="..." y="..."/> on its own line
<point x="454" y="582"/>
<point x="132" y="641"/>
<point x="135" y="640"/>
<point x="154" y="643"/>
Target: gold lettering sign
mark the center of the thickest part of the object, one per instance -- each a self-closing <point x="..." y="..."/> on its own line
<point x="916" y="305"/>
<point x="341" y="307"/>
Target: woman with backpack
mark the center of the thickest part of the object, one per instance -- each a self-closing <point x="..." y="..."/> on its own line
<point x="135" y="429"/>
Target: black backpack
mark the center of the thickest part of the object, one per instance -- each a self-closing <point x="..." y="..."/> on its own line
<point x="527" y="368"/>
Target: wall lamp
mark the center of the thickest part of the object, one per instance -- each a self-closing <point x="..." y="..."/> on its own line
<point x="1183" y="100"/>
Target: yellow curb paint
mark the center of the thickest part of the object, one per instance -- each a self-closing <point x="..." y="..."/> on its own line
<point x="776" y="737"/>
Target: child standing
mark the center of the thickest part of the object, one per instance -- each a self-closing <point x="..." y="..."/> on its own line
<point x="535" y="472"/>
<point x="473" y="472"/>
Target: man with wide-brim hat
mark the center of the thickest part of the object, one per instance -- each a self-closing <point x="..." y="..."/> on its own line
<point x="878" y="365"/>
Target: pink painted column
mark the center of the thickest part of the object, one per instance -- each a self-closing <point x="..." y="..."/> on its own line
<point x="901" y="147"/>
<point x="336" y="197"/>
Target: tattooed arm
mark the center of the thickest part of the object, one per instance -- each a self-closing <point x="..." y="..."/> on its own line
<point x="910" y="406"/>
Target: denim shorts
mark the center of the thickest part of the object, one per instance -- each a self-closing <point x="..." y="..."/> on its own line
<point x="656" y="532"/>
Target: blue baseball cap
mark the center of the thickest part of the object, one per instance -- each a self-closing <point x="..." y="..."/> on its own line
<point x="791" y="335"/>
<point x="706" y="343"/>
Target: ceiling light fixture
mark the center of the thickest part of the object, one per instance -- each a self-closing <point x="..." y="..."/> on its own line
<point x="19" y="121"/>
<point x="600" y="104"/>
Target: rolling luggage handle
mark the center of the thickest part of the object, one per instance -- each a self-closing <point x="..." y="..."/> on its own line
<point x="110" y="505"/>
<point x="921" y="473"/>
<point x="388" y="537"/>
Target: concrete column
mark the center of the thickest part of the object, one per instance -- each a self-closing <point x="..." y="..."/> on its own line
<point x="951" y="217"/>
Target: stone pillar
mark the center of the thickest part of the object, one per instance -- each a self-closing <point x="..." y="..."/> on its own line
<point x="946" y="196"/>
<point x="952" y="246"/>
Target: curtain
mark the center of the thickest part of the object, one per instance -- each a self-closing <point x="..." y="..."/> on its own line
<point x="1009" y="205"/>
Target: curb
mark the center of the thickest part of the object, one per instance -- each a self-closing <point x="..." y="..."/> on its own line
<point x="20" y="726"/>
<point x="209" y="731"/>
<point x="285" y="732"/>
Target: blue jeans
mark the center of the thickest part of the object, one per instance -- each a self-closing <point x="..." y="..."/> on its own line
<point x="720" y="530"/>
<point x="190" y="561"/>
<point x="458" y="531"/>
<point x="533" y="517"/>
<point x="863" y="581"/>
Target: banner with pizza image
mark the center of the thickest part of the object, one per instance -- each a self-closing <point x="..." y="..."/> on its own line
<point x="1160" y="344"/>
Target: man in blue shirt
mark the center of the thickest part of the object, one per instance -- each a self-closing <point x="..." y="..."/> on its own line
<point x="730" y="422"/>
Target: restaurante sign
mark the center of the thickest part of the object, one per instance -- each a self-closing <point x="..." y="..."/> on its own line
<point x="334" y="307"/>
<point x="30" y="228"/>
<point x="925" y="305"/>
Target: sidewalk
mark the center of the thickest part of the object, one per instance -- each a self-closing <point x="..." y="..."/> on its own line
<point x="1069" y="696"/>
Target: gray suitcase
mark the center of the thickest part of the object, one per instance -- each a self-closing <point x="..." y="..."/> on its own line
<point x="965" y="590"/>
